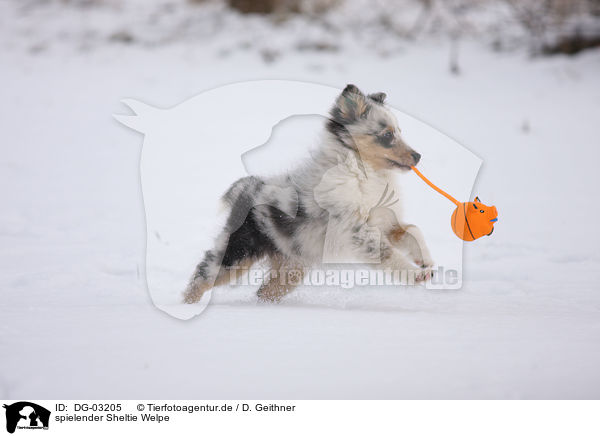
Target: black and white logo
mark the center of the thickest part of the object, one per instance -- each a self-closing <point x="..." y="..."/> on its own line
<point x="26" y="415"/>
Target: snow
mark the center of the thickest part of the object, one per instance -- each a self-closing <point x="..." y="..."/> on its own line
<point x="76" y="319"/>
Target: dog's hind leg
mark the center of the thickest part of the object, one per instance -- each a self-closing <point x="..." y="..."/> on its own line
<point x="285" y="275"/>
<point x="202" y="282"/>
<point x="235" y="251"/>
<point x="207" y="274"/>
<point x="244" y="240"/>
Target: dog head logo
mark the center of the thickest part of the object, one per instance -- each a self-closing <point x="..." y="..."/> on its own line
<point x="26" y="415"/>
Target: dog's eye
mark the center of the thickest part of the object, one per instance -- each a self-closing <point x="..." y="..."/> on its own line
<point x="385" y="139"/>
<point x="481" y="210"/>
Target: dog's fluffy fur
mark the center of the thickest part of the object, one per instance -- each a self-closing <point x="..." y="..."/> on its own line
<point x="329" y="206"/>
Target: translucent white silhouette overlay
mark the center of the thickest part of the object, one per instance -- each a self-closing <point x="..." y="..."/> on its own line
<point x="191" y="155"/>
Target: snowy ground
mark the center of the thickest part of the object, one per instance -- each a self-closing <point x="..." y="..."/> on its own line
<point x="76" y="319"/>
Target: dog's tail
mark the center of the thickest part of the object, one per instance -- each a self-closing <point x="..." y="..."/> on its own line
<point x="245" y="184"/>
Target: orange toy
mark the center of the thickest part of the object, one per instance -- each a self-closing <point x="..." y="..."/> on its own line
<point x="470" y="220"/>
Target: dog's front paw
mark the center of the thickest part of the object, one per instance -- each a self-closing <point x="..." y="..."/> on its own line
<point x="424" y="274"/>
<point x="425" y="261"/>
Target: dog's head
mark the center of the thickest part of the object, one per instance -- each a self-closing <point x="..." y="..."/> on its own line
<point x="364" y="124"/>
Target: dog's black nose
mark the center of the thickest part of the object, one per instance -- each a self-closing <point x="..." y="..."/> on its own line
<point x="416" y="156"/>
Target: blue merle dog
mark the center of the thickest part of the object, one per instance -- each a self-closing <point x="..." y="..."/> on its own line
<point x="341" y="204"/>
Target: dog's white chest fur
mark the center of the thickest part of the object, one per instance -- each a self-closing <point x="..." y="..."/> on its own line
<point x="354" y="190"/>
<point x="355" y="195"/>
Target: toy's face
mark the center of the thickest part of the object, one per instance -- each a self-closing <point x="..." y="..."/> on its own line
<point x="481" y="218"/>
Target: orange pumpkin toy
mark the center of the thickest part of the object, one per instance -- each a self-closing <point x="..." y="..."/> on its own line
<point x="470" y="220"/>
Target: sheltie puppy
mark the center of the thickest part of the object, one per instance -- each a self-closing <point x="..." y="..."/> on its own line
<point x="342" y="203"/>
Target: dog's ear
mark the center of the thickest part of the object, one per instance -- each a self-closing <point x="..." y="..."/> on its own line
<point x="379" y="97"/>
<point x="351" y="89"/>
<point x="350" y="106"/>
